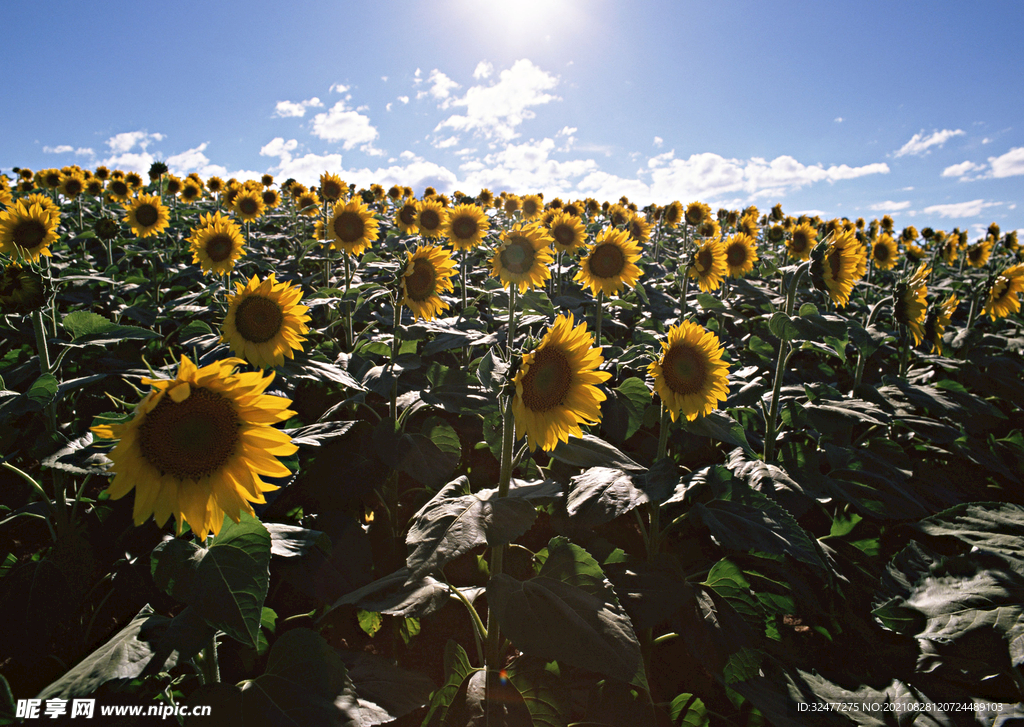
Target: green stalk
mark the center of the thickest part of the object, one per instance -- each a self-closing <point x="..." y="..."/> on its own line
<point x="600" y="315"/>
<point x="493" y="647"/>
<point x="395" y="338"/>
<point x="771" y="426"/>
<point x="210" y="663"/>
<point x="861" y="357"/>
<point x="512" y="290"/>
<point x="50" y="416"/>
<point x="347" y="305"/>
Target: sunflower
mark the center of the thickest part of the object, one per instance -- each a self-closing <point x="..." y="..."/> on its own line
<point x="271" y="198"/>
<point x="567" y="231"/>
<point x="532" y="206"/>
<point x="217" y="243"/>
<point x="27" y="230"/>
<point x="265" y="322"/>
<point x="351" y="226"/>
<point x="638" y="228"/>
<point x="466" y="226"/>
<point x="523" y="257"/>
<point x="173" y="186"/>
<point x="884" y="253"/>
<point x="430" y="217"/>
<point x="198" y="445"/>
<point x="748" y="224"/>
<point x="49" y="178"/>
<point x="306" y="202"/>
<point x="428" y="272"/>
<point x="21" y="289"/>
<point x="191" y="191"/>
<point x="102" y="172"/>
<point x="556" y="386"/>
<point x="673" y="214"/>
<point x="405" y="218"/>
<point x="910" y="302"/>
<point x="1004" y="295"/>
<point x="708" y="266"/>
<point x="690" y="377"/>
<point x="708" y="228"/>
<point x="916" y="252"/>
<point x="610" y="263"/>
<point x="510" y="204"/>
<point x="938" y="319"/>
<point x="740" y="254"/>
<point x="147" y="216"/>
<point x="94" y="187"/>
<point x="6" y="198"/>
<point x="331" y="187"/>
<point x="215" y="185"/>
<point x="486" y="198"/>
<point x="842" y="263"/>
<point x="248" y="205"/>
<point x="802" y="241"/>
<point x="617" y="215"/>
<point x="697" y="212"/>
<point x="978" y="253"/>
<point x="71" y="185"/>
<point x="134" y="180"/>
<point x="118" y="190"/>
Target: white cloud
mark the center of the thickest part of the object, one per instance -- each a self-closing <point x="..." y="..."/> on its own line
<point x="344" y="125"/>
<point x="484" y="69"/>
<point x="446" y="143"/>
<point x="388" y="106"/>
<point x="496" y="110"/>
<point x="920" y="144"/>
<point x="986" y="140"/>
<point x="960" y="209"/>
<point x="384" y="78"/>
<point x="338" y="88"/>
<point x="62" y="149"/>
<point x="527" y="167"/>
<point x="659" y="142"/>
<point x="889" y="206"/>
<point x="189" y="161"/>
<point x="130" y="161"/>
<point x="441" y="87"/>
<point x="1010" y="164"/>
<point x="285" y="109"/>
<point x="709" y="175"/>
<point x="959" y="170"/>
<point x="403" y="99"/>
<point x="838" y="119"/>
<point x="126" y="141"/>
<point x="278" y="147"/>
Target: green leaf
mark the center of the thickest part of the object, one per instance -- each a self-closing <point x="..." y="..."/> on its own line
<point x="635" y="396"/>
<point x="591" y="451"/>
<point x="601" y="494"/>
<point x="227" y="582"/>
<point x="394" y="596"/>
<point x="304" y="679"/>
<point x="743" y="665"/>
<point x="43" y="390"/>
<point x="492" y="371"/>
<point x="997" y="527"/>
<point x="383" y="692"/>
<point x="443" y="435"/>
<point x="91" y="328"/>
<point x="452" y="524"/>
<point x="369" y="621"/>
<point x="124" y="656"/>
<point x="721" y="427"/>
<point x="727" y="580"/>
<point x="709" y="302"/>
<point x="458" y="670"/>
<point x="541" y="691"/>
<point x="569" y="612"/>
<point x="687" y="710"/>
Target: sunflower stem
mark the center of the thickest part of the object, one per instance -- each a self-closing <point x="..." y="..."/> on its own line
<point x="210" y="665"/>
<point x="347" y="305"/>
<point x="904" y="351"/>
<point x="682" y="295"/>
<point x="600" y="315"/>
<point x="771" y="425"/>
<point x="512" y="290"/>
<point x="666" y="422"/>
<point x="862" y="357"/>
<point x="395" y="338"/>
<point x="50" y="415"/>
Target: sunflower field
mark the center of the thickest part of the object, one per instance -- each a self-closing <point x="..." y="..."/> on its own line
<point x="278" y="455"/>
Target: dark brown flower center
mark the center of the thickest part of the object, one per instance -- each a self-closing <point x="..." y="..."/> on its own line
<point x="429" y="220"/>
<point x="607" y="261"/>
<point x="248" y="206"/>
<point x="258" y="319"/>
<point x="736" y="254"/>
<point x="530" y="207"/>
<point x="801" y="241"/>
<point x="685" y="369"/>
<point x="422" y="283"/>
<point x="191" y="439"/>
<point x="881" y="253"/>
<point x="219" y="247"/>
<point x="330" y="190"/>
<point x="835" y="263"/>
<point x="407" y="214"/>
<point x="118" y="188"/>
<point x="464" y="227"/>
<point x="146" y="215"/>
<point x="349" y="227"/>
<point x="518" y="255"/>
<point x="29" y="234"/>
<point x="548" y="380"/>
<point x="564" y="235"/>
<point x="705" y="260"/>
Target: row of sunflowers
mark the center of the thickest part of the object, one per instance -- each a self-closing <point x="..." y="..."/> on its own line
<point x="552" y="462"/>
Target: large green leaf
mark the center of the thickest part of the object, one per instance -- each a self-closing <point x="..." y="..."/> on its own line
<point x="93" y="329"/>
<point x="124" y="656"/>
<point x="601" y="494"/>
<point x="383" y="692"/>
<point x="396" y="596"/>
<point x="457" y="671"/>
<point x="452" y="524"/>
<point x="305" y="684"/>
<point x="688" y="710"/>
<point x="569" y="612"/>
<point x="541" y="691"/>
<point x="227" y="582"/>
<point x="591" y="451"/>
<point x="997" y="527"/>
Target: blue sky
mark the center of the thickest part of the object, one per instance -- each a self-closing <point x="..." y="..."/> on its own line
<point x="915" y="109"/>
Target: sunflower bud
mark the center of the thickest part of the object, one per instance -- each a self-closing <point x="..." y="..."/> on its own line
<point x="21" y="290"/>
